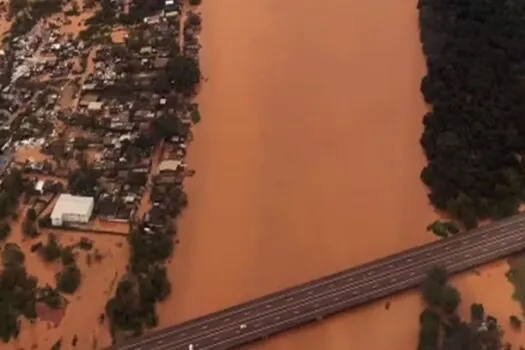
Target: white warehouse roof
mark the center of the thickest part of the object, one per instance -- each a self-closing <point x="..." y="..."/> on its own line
<point x="68" y="204"/>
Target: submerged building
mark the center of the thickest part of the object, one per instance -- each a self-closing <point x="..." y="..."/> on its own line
<point x="72" y="209"/>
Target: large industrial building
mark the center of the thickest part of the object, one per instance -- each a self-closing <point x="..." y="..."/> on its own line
<point x="72" y="209"/>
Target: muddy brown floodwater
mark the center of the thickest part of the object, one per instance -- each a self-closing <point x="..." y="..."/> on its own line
<point x="307" y="159"/>
<point x="307" y="162"/>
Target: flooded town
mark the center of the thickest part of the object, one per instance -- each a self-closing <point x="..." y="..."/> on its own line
<point x="122" y="212"/>
<point x="97" y="104"/>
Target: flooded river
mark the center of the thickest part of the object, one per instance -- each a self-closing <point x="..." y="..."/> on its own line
<point x="307" y="161"/>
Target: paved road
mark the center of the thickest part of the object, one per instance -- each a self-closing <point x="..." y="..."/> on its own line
<point x="275" y="313"/>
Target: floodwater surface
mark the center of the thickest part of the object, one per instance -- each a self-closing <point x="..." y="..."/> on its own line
<point x="307" y="160"/>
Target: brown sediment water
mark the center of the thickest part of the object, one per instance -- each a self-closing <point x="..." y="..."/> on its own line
<point x="82" y="316"/>
<point x="489" y="286"/>
<point x="307" y="160"/>
<point x="307" y="163"/>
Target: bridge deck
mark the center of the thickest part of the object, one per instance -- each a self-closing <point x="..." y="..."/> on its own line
<point x="290" y="308"/>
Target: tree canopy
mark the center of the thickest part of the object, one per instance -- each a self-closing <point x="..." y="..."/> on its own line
<point x="182" y="74"/>
<point x="440" y="328"/>
<point x="474" y="135"/>
<point x="17" y="292"/>
<point x="68" y="280"/>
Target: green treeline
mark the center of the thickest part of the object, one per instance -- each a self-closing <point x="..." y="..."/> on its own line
<point x="474" y="134"/>
<point x="442" y="329"/>
<point x="132" y="308"/>
<point x="19" y="293"/>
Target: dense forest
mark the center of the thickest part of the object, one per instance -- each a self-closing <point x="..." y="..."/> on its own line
<point x="474" y="132"/>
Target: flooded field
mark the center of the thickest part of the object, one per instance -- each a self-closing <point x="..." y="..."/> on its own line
<point x="99" y="277"/>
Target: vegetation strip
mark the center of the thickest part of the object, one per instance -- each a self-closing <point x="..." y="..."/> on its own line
<point x="441" y="328"/>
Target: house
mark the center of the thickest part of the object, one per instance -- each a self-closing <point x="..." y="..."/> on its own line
<point x="107" y="207"/>
<point x="72" y="209"/>
<point x="146" y="50"/>
<point x="88" y="98"/>
<point x="167" y="179"/>
<point x="39" y="187"/>
<point x="160" y="62"/>
<point x="156" y="216"/>
<point x="94" y="106"/>
<point x="171" y="14"/>
<point x="170" y="165"/>
<point x="89" y="87"/>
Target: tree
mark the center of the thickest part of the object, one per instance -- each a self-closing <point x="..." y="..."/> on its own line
<point x="67" y="257"/>
<point x="123" y="309"/>
<point x="57" y="345"/>
<point x="12" y="255"/>
<point x="45" y="221"/>
<point x="31" y="214"/>
<point x="477" y="312"/>
<point x="51" y="251"/>
<point x="483" y="333"/>
<point x="50" y="297"/>
<point x="433" y="285"/>
<point x="195" y="116"/>
<point x="450" y="299"/>
<point x="5" y="230"/>
<point x="474" y="135"/>
<point x="17" y="292"/>
<point x="80" y="143"/>
<point x="429" y="330"/>
<point x="29" y="229"/>
<point x="451" y="227"/>
<point x="85" y="243"/>
<point x="438" y="228"/>
<point x="83" y="181"/>
<point x="183" y="74"/>
<point x="515" y="322"/>
<point x="69" y="279"/>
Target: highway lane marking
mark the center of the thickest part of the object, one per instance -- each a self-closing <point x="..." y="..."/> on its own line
<point x="494" y="239"/>
<point x="518" y="219"/>
<point x="347" y="288"/>
<point x="463" y="238"/>
<point x="259" y="332"/>
<point x="498" y="254"/>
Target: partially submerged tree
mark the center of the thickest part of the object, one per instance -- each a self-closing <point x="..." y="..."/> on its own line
<point x="68" y="280"/>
